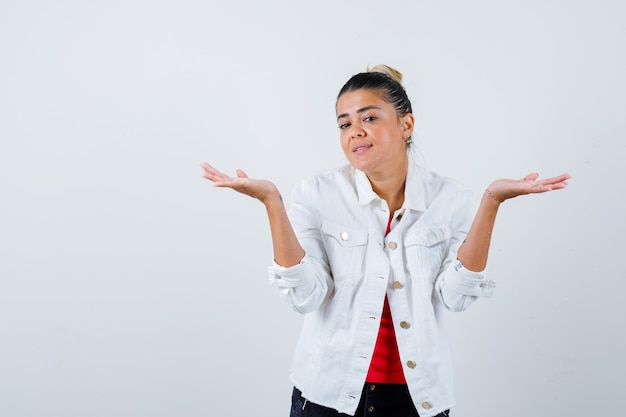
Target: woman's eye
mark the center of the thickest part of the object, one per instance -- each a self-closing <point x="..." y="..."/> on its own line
<point x="369" y="119"/>
<point x="344" y="126"/>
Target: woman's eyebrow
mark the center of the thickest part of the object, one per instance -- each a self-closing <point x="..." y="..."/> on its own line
<point x="361" y="110"/>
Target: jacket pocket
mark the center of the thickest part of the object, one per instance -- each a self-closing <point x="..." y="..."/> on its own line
<point x="426" y="250"/>
<point x="345" y="248"/>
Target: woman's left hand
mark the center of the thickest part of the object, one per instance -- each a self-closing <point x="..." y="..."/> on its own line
<point x="504" y="189"/>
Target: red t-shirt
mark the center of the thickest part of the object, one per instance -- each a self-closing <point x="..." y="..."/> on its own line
<point x="386" y="366"/>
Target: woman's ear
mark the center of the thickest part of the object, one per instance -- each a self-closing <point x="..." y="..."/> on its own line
<point x="407" y="122"/>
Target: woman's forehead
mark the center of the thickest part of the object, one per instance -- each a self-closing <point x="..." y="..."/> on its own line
<point x="353" y="101"/>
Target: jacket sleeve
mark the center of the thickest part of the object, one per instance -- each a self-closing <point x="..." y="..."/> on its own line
<point x="456" y="287"/>
<point x="305" y="286"/>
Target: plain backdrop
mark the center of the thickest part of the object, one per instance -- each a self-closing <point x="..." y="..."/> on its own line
<point x="129" y="286"/>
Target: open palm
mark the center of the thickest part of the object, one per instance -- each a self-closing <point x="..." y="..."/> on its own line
<point x="259" y="189"/>
<point x="505" y="189"/>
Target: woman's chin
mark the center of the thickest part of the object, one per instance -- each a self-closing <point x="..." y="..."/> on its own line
<point x="361" y="164"/>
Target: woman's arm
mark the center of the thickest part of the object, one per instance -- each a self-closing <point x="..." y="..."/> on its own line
<point x="474" y="251"/>
<point x="287" y="249"/>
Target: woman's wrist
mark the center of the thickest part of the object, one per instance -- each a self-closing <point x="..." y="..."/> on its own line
<point x="493" y="196"/>
<point x="272" y="199"/>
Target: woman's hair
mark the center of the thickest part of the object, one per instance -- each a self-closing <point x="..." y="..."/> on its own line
<point x="384" y="80"/>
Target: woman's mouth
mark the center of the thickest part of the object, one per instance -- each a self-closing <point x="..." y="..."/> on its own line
<point x="361" y="148"/>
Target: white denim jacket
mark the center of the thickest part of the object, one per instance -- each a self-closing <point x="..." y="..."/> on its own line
<point x="350" y="265"/>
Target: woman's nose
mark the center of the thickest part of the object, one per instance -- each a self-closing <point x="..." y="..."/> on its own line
<point x="356" y="131"/>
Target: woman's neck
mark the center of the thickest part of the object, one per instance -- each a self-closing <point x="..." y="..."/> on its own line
<point x="390" y="185"/>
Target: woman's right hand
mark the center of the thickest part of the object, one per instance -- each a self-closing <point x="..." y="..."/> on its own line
<point x="262" y="190"/>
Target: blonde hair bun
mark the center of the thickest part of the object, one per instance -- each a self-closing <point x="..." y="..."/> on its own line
<point x="392" y="73"/>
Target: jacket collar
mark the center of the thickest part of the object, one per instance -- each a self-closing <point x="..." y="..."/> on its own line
<point x="414" y="190"/>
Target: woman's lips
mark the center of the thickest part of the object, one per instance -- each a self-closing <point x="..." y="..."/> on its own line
<point x="361" y="148"/>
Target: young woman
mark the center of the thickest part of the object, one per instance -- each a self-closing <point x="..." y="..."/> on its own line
<point x="373" y="253"/>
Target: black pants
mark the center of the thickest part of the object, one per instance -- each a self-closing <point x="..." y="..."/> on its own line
<point x="377" y="400"/>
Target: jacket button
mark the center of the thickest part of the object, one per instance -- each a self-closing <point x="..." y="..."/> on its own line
<point x="393" y="245"/>
<point x="426" y="405"/>
<point x="411" y="364"/>
<point x="397" y="284"/>
<point x="405" y="324"/>
<point x="344" y="236"/>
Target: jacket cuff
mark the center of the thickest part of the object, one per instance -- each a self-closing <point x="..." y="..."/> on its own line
<point x="466" y="282"/>
<point x="287" y="277"/>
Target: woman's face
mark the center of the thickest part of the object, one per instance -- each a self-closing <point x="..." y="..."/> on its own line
<point x="372" y="135"/>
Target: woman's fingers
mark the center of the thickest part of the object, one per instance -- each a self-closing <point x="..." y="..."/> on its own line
<point x="561" y="179"/>
<point x="209" y="171"/>
<point x="212" y="174"/>
<point x="531" y="177"/>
